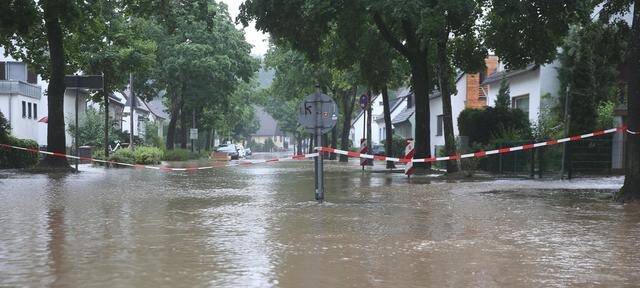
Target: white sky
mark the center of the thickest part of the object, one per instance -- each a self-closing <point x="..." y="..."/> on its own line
<point x="256" y="38"/>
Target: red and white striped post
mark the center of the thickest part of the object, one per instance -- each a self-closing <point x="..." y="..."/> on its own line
<point x="363" y="150"/>
<point x="409" y="153"/>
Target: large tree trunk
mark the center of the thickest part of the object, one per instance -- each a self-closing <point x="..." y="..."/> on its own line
<point x="56" y="141"/>
<point x="388" y="144"/>
<point x="299" y="141"/>
<point x="171" y="129"/>
<point x="631" y="189"/>
<point x="444" y="77"/>
<point x="348" y="103"/>
<point x="334" y="141"/>
<point x="420" y="83"/>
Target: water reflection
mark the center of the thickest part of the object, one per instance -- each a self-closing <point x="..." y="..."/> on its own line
<point x="258" y="226"/>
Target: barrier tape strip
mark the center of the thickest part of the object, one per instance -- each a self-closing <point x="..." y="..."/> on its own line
<point x="632" y="132"/>
<point x="479" y="154"/>
<point x="163" y="168"/>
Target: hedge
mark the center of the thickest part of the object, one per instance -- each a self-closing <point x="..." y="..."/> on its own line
<point x="13" y="158"/>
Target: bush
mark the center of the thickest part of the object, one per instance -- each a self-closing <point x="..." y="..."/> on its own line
<point x="148" y="155"/>
<point x="398" y="144"/>
<point x="123" y="156"/>
<point x="480" y="125"/>
<point x="5" y="128"/>
<point x="12" y="158"/>
<point x="151" y="137"/>
<point x="176" y="155"/>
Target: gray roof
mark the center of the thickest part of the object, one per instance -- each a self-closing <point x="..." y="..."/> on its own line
<point x="404" y="115"/>
<point x="505" y="74"/>
<point x="436" y="93"/>
<point x="157" y="107"/>
<point x="268" y="125"/>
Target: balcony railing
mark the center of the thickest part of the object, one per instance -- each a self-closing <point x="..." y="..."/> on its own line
<point x="21" y="88"/>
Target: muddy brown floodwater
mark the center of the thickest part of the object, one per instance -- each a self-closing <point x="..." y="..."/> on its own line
<point x="258" y="227"/>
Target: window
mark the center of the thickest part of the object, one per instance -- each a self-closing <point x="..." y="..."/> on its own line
<point x="32" y="77"/>
<point x="30" y="110"/>
<point x="410" y="101"/>
<point x="35" y="111"/>
<point x="440" y="125"/>
<point x="24" y="109"/>
<point x="522" y="103"/>
<point x="3" y="71"/>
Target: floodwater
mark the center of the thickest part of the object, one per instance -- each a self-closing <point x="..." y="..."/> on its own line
<point x="258" y="227"/>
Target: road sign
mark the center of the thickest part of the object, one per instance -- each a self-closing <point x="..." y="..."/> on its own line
<point x="364" y="101"/>
<point x="318" y="111"/>
<point x="92" y="82"/>
<point x="193" y="134"/>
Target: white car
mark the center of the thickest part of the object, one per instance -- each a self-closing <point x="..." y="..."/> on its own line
<point x="242" y="153"/>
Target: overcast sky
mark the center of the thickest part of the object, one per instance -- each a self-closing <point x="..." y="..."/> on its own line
<point x="259" y="40"/>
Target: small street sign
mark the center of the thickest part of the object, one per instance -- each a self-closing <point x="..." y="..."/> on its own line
<point x="92" y="82"/>
<point x="193" y="134"/>
<point x="364" y="101"/>
<point x="318" y="111"/>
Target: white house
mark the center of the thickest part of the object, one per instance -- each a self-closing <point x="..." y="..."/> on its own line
<point x="528" y="87"/>
<point x="397" y="103"/>
<point x="469" y="94"/>
<point x="21" y="98"/>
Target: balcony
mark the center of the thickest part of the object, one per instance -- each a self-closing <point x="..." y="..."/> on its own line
<point x="20" y="88"/>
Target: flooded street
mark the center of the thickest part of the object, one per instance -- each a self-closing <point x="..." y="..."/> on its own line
<point x="258" y="227"/>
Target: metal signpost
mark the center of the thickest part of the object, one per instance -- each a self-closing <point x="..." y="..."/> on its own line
<point x="318" y="114"/>
<point x="77" y="82"/>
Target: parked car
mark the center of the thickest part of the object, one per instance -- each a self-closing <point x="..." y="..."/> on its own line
<point x="248" y="152"/>
<point x="230" y="149"/>
<point x="378" y="150"/>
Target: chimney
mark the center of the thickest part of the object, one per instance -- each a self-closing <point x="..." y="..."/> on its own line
<point x="476" y="93"/>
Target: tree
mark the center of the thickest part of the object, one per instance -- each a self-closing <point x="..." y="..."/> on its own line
<point x="35" y="31"/>
<point x="503" y="99"/>
<point x="305" y="25"/>
<point x="536" y="28"/>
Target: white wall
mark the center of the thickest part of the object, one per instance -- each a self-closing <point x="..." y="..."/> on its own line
<point x="457" y="105"/>
<point x="357" y="128"/>
<point x="523" y="84"/>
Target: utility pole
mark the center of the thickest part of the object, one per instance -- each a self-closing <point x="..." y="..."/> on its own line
<point x="133" y="105"/>
<point x="77" y="127"/>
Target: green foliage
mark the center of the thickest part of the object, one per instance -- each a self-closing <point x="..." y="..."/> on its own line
<point x="503" y="99"/>
<point x="605" y="118"/>
<point x="5" y="128"/>
<point x="176" y="155"/>
<point x="268" y="145"/>
<point x="123" y="156"/>
<point x="151" y="137"/>
<point x="399" y="144"/>
<point x="13" y="158"/>
<point x="549" y="124"/>
<point x="142" y="155"/>
<point x="148" y="155"/>
<point x="92" y="129"/>
<point x="590" y="59"/>
<point x="484" y="125"/>
<point x="524" y="32"/>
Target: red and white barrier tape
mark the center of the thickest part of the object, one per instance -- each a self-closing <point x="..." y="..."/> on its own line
<point x="163" y="168"/>
<point x="632" y="132"/>
<point x="478" y="154"/>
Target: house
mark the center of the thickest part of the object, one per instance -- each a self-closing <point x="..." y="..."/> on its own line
<point x="158" y="113"/>
<point x="141" y="114"/>
<point x="269" y="129"/>
<point x="397" y="104"/>
<point x="21" y="98"/>
<point x="470" y="94"/>
<point x="531" y="88"/>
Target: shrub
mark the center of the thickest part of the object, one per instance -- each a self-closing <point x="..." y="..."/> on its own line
<point x="148" y="155"/>
<point x="123" y="156"/>
<point x="5" y="128"/>
<point x="12" y="158"/>
<point x="176" y="155"/>
<point x="151" y="137"/>
<point x="398" y="144"/>
<point x="481" y="124"/>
